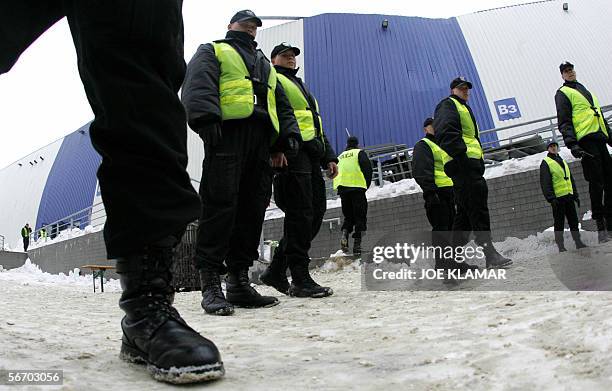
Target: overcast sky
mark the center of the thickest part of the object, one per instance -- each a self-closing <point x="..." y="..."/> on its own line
<point x="42" y="99"/>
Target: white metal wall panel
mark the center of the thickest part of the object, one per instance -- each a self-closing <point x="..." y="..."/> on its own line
<point x="291" y="32"/>
<point x="195" y="152"/>
<point x="517" y="51"/>
<point x="21" y="188"/>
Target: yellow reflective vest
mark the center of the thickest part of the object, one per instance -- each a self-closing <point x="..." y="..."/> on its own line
<point x="561" y="177"/>
<point x="587" y="119"/>
<point x="304" y="114"/>
<point x="236" y="95"/>
<point x="349" y="171"/>
<point x="440" y="159"/>
<point x="469" y="131"/>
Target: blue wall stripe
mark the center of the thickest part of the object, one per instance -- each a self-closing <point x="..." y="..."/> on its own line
<point x="72" y="181"/>
<point x="381" y="84"/>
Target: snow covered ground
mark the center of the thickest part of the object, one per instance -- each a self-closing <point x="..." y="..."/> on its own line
<point x="408" y="340"/>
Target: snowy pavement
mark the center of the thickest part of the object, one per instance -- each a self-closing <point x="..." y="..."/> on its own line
<point x="408" y="340"/>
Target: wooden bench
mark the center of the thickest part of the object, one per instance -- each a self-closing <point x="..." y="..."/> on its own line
<point x="98" y="271"/>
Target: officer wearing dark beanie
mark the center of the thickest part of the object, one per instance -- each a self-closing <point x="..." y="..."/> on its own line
<point x="354" y="178"/>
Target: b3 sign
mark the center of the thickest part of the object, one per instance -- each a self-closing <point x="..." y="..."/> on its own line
<point x="507" y="109"/>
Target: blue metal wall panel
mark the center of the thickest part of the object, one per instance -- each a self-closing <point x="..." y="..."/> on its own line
<point x="381" y="84"/>
<point x="71" y="184"/>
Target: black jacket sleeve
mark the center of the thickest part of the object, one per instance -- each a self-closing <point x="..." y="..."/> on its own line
<point x="200" y="91"/>
<point x="366" y="167"/>
<point x="286" y="119"/>
<point x="546" y="182"/>
<point x="330" y="154"/>
<point x="423" y="167"/>
<point x="564" y="119"/>
<point x="448" y="129"/>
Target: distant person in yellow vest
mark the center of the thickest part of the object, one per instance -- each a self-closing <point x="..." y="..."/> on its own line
<point x="428" y="161"/>
<point x="586" y="133"/>
<point x="26" y="231"/>
<point x="299" y="190"/>
<point x="236" y="105"/>
<point x="354" y="178"/>
<point x="559" y="189"/>
<point x="457" y="134"/>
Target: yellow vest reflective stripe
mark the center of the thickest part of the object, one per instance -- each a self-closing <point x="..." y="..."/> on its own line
<point x="440" y="159"/>
<point x="349" y="171"/>
<point x="583" y="114"/>
<point x="562" y="184"/>
<point x="236" y="95"/>
<point x="304" y="116"/>
<point x="469" y="131"/>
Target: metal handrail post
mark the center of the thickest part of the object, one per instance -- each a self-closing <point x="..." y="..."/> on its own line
<point x="380" y="174"/>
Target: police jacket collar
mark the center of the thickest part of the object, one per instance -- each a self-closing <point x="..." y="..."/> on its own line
<point x="239" y="38"/>
<point x="459" y="99"/>
<point x="431" y="137"/>
<point x="286" y="71"/>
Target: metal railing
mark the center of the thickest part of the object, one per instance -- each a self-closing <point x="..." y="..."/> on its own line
<point x="1" y="243"/>
<point x="94" y="216"/>
<point x="516" y="146"/>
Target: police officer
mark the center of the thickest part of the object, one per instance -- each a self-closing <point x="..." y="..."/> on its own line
<point x="236" y="105"/>
<point x="299" y="191"/>
<point x="26" y="231"/>
<point x="353" y="180"/>
<point x="559" y="189"/>
<point x="586" y="132"/>
<point x="428" y="161"/>
<point x="457" y="134"/>
<point x="130" y="57"/>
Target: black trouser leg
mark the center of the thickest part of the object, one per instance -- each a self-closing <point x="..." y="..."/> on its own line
<point x="348" y="211"/>
<point x="298" y="218"/>
<point x="360" y="211"/>
<point x="571" y="214"/>
<point x="472" y="210"/>
<point x="441" y="218"/>
<point x="131" y="63"/>
<point x="235" y="179"/>
<point x="597" y="170"/>
<point x="26" y="244"/>
<point x="319" y="200"/>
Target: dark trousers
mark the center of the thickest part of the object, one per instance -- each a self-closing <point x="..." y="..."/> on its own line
<point x="471" y="197"/>
<point x="130" y="58"/>
<point x="235" y="189"/>
<point x="300" y="193"/>
<point x="441" y="217"/>
<point x="355" y="211"/>
<point x="26" y="244"/>
<point x="565" y="208"/>
<point x="598" y="172"/>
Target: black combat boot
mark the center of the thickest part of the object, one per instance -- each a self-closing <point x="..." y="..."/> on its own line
<point x="602" y="235"/>
<point x="241" y="294"/>
<point x="560" y="241"/>
<point x="494" y="260"/>
<point x="153" y="331"/>
<point x="357" y="244"/>
<point x="578" y="240"/>
<point x="213" y="300"/>
<point x="302" y="284"/>
<point x="344" y="241"/>
<point x="275" y="274"/>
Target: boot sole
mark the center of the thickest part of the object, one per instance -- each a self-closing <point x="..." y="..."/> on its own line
<point x="320" y="295"/>
<point x="501" y="266"/>
<point x="220" y="312"/>
<point x="182" y="375"/>
<point x="245" y="305"/>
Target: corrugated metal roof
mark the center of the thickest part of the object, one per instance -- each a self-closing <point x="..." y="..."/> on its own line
<point x="381" y="83"/>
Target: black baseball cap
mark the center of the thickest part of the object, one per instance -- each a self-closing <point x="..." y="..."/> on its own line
<point x="428" y="121"/>
<point x="460" y="81"/>
<point x="352" y="141"/>
<point x="244" y="15"/>
<point x="566" y="65"/>
<point x="552" y="142"/>
<point x="283" y="47"/>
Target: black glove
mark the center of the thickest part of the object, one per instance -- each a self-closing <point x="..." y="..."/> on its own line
<point x="576" y="151"/>
<point x="293" y="147"/>
<point x="431" y="200"/>
<point x="211" y="134"/>
<point x="554" y="203"/>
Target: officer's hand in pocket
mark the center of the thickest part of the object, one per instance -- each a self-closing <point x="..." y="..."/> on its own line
<point x="576" y="151"/>
<point x="432" y="200"/>
<point x="293" y="146"/>
<point x="278" y="160"/>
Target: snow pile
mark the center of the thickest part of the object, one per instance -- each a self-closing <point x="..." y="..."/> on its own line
<point x="587" y="216"/>
<point x="65" y="235"/>
<point x="31" y="273"/>
<point x="532" y="162"/>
